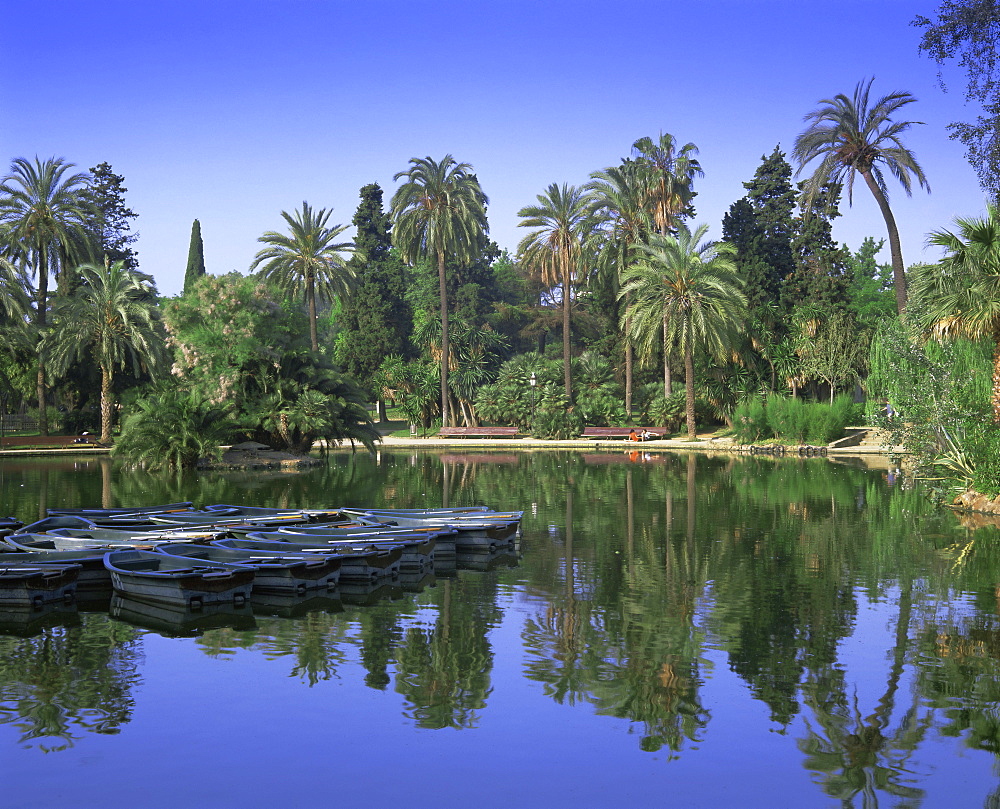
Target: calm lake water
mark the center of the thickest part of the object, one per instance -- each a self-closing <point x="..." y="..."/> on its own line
<point x="682" y="630"/>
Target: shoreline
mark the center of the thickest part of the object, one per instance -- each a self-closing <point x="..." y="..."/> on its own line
<point x="706" y="443"/>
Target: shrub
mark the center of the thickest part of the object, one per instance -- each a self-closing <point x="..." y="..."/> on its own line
<point x="174" y="428"/>
<point x="750" y="422"/>
<point x="555" y="417"/>
<point x="601" y="407"/>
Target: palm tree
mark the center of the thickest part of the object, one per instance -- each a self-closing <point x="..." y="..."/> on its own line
<point x="556" y="248"/>
<point x="960" y="296"/>
<point x="439" y="212"/>
<point x="43" y="217"/>
<point x="694" y="289"/>
<point x="111" y="314"/>
<point x="669" y="175"/>
<point x="307" y="260"/>
<point x="851" y="136"/>
<point x="15" y="306"/>
<point x="623" y="221"/>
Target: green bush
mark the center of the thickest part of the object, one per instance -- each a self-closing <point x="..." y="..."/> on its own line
<point x="75" y="422"/>
<point x="750" y="422"/>
<point x="555" y="418"/>
<point x="795" y="421"/>
<point x="982" y="447"/>
<point x="504" y="404"/>
<point x="174" y="428"/>
<point x="601" y="407"/>
<point x="657" y="411"/>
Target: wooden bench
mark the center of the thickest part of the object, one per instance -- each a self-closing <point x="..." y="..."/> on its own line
<point x="478" y="432"/>
<point x="614" y="432"/>
<point x="34" y="441"/>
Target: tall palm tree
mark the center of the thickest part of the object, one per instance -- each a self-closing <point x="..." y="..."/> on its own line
<point x="622" y="219"/>
<point x="694" y="288"/>
<point x="852" y="136"/>
<point x="43" y="216"/>
<point x="307" y="260"/>
<point x="110" y="315"/>
<point x="670" y="173"/>
<point x="439" y="212"/>
<point x="960" y="296"/>
<point x="557" y="247"/>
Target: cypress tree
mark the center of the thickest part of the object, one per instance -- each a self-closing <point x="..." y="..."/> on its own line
<point x="109" y="223"/>
<point x="761" y="226"/>
<point x="821" y="278"/>
<point x="376" y="320"/>
<point x="196" y="258"/>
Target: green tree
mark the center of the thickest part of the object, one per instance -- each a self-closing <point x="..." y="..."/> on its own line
<point x="870" y="289"/>
<point x="111" y="316"/>
<point x="761" y="227"/>
<point x="835" y="353"/>
<point x="43" y="216"/>
<point x="669" y="174"/>
<point x="621" y="219"/>
<point x="960" y="296"/>
<point x="556" y="249"/>
<point x="820" y="280"/>
<point x="851" y="136"/>
<point x="307" y="260"/>
<point x="257" y="364"/>
<point x="196" y="258"/>
<point x="694" y="288"/>
<point x="109" y="224"/>
<point x="968" y="30"/>
<point x="376" y="320"/>
<point x="439" y="212"/>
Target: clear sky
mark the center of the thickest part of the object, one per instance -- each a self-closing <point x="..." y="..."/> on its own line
<point x="231" y="112"/>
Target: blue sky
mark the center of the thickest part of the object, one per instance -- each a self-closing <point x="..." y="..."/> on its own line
<point x="231" y="112"/>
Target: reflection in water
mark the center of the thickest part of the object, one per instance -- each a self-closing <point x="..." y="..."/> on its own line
<point x="66" y="681"/>
<point x="634" y="581"/>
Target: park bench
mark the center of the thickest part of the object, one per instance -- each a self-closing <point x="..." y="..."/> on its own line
<point x="37" y="441"/>
<point x="477" y="432"/>
<point x="614" y="432"/>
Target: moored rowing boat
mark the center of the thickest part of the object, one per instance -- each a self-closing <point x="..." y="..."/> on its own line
<point x="150" y="576"/>
<point x="274" y="574"/>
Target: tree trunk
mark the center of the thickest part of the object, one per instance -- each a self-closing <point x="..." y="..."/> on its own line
<point x="445" y="348"/>
<point x="311" y="304"/>
<point x="626" y="335"/>
<point x="105" y="405"/>
<point x="40" y="315"/>
<point x="996" y="380"/>
<point x="380" y="408"/>
<point x="689" y="390"/>
<point x="898" y="271"/>
<point x="668" y="380"/>
<point x="628" y="381"/>
<point x="567" y="381"/>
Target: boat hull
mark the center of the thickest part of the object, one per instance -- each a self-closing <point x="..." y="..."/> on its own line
<point x="191" y="584"/>
<point x="273" y="574"/>
<point x="357" y="567"/>
<point x="34" y="586"/>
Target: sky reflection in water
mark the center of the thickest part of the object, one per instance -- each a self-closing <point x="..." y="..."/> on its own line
<point x="688" y="631"/>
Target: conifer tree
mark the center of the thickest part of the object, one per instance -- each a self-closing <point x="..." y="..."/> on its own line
<point x="376" y="320"/>
<point x="196" y="258"/>
<point x="108" y="226"/>
<point x="761" y="227"/>
<point x="821" y="278"/>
